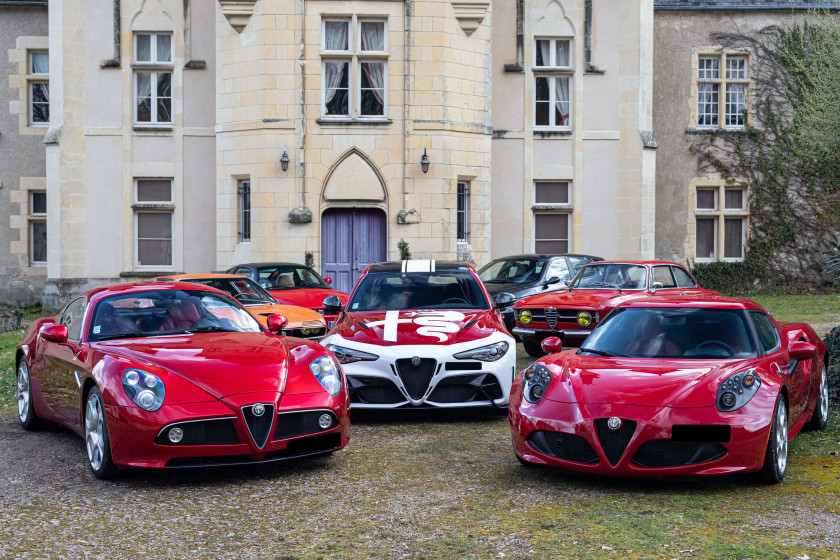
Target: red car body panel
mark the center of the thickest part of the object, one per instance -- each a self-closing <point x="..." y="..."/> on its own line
<point x="658" y="394"/>
<point x="205" y="375"/>
<point x="599" y="302"/>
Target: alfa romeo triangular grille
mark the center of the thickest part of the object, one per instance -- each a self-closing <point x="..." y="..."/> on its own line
<point x="259" y="418"/>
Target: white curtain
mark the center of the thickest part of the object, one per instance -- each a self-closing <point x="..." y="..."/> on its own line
<point x="561" y="94"/>
<point x="373" y="36"/>
<point x="376" y="76"/>
<point x="40" y="63"/>
<point x="545" y="51"/>
<point x="562" y="54"/>
<point x="335" y="39"/>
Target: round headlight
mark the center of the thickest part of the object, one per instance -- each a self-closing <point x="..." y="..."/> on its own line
<point x="132" y="377"/>
<point x="146" y="399"/>
<point x="537" y="391"/>
<point x="584" y="318"/>
<point x="525" y="316"/>
<point x="150" y="381"/>
<point x="305" y="332"/>
<point x="325" y="421"/>
<point x="728" y="399"/>
<point x="176" y="435"/>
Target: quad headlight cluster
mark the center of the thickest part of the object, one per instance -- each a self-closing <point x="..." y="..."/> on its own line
<point x="145" y="389"/>
<point x="535" y="382"/>
<point x="737" y="390"/>
<point x="349" y="356"/>
<point x="326" y="372"/>
<point x="489" y="353"/>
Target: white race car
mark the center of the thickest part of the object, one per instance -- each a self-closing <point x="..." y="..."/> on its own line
<point x="422" y="333"/>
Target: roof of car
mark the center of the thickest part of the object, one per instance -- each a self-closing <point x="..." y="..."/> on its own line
<point x="629" y="261"/>
<point x="545" y="256"/>
<point x="417" y="265"/>
<point x="262" y="264"/>
<point x="208" y="276"/>
<point x="130" y="287"/>
<point x="707" y="302"/>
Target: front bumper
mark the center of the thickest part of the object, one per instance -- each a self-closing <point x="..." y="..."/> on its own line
<point x="439" y="380"/>
<point x="574" y="436"/>
<point x="216" y="432"/>
<point x="567" y="335"/>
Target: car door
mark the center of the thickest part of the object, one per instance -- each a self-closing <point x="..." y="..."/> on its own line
<point x="65" y="360"/>
<point x="686" y="284"/>
<point x="794" y="373"/>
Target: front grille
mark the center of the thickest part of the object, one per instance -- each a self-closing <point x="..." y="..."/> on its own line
<point x="258" y="426"/>
<point x="614" y="442"/>
<point x="416" y="378"/>
<point x="551" y="317"/>
<point x="203" y="432"/>
<point x="295" y="424"/>
<point x="373" y="390"/>
<point x="569" y="447"/>
<point x="660" y="453"/>
<point x="467" y="388"/>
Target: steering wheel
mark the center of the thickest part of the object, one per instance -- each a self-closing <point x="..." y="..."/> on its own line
<point x="455" y="300"/>
<point x="720" y="343"/>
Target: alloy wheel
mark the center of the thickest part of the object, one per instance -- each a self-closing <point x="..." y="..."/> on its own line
<point x="24" y="391"/>
<point x="781" y="437"/>
<point x="94" y="431"/>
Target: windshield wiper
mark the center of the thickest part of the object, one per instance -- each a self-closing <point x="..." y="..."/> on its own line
<point x="607" y="284"/>
<point x="496" y="281"/>
<point x="209" y="329"/>
<point x="126" y="335"/>
<point x="603" y="353"/>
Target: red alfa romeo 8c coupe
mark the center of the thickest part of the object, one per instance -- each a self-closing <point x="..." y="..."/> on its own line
<point x="674" y="386"/>
<point x="171" y="375"/>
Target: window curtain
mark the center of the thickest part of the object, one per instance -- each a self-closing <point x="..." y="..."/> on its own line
<point x="40" y="63"/>
<point x="545" y="51"/>
<point x="373" y="39"/>
<point x="335" y="39"/>
<point x="376" y="76"/>
<point x="144" y="96"/>
<point x="562" y="53"/>
<point x="561" y="102"/>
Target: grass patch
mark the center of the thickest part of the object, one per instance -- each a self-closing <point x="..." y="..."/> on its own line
<point x="811" y="309"/>
<point x="8" y="385"/>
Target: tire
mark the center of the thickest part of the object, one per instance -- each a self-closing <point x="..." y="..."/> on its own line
<point x="533" y="348"/>
<point x="776" y="456"/>
<point x="26" y="407"/>
<point x="97" y="441"/>
<point x="819" y="419"/>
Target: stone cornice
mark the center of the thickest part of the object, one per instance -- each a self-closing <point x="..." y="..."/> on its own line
<point x="238" y="12"/>
<point x="470" y="14"/>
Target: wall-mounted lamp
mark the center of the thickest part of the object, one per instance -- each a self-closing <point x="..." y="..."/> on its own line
<point x="284" y="160"/>
<point x="424" y="162"/>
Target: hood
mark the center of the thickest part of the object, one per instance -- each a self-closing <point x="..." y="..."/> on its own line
<point x="295" y="314"/>
<point x="222" y="364"/>
<point x="390" y="328"/>
<point x="579" y="298"/>
<point x="601" y="380"/>
<point x="517" y="289"/>
<point x="313" y="298"/>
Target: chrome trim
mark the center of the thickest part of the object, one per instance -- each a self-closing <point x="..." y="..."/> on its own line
<point x="160" y="433"/>
<point x="78" y="377"/>
<point x="306" y="410"/>
<point x="577" y="332"/>
<point x="517" y="330"/>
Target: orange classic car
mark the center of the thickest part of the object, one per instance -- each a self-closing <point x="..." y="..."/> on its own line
<point x="302" y="322"/>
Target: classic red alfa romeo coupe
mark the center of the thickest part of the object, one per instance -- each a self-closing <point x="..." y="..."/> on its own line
<point x="168" y="375"/>
<point x="673" y="386"/>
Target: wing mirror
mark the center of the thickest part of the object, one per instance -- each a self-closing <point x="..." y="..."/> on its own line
<point x="55" y="333"/>
<point x="332" y="305"/>
<point x="328" y="279"/>
<point x="656" y="285"/>
<point x="504" y="300"/>
<point x="552" y="345"/>
<point x="801" y="350"/>
<point x="552" y="280"/>
<point x="276" y="323"/>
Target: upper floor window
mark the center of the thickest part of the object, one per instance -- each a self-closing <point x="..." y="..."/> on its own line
<point x="354" y="68"/>
<point x="39" y="88"/>
<point x="153" y="66"/>
<point x="552" y="83"/>
<point x="37" y="228"/>
<point x="244" y="192"/>
<point x="552" y="217"/>
<point x="722" y="83"/>
<point x="153" y="222"/>
<point x="463" y="211"/>
<point x="720" y="223"/>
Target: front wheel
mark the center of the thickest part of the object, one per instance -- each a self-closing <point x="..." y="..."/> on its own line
<point x="775" y="458"/>
<point x="97" y="442"/>
<point x="819" y="420"/>
<point x="533" y="348"/>
<point x="26" y="407"/>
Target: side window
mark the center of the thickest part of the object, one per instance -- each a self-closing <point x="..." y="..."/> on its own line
<point x="73" y="316"/>
<point x="244" y="271"/>
<point x="684" y="280"/>
<point x="662" y="274"/>
<point x="559" y="268"/>
<point x="767" y="334"/>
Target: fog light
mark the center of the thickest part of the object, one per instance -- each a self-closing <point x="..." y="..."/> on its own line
<point x="525" y="316"/>
<point x="146" y="399"/>
<point x="584" y="318"/>
<point x="176" y="435"/>
<point x="325" y="421"/>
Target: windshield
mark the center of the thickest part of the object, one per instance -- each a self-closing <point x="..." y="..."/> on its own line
<point x="512" y="271"/>
<point x="244" y="290"/>
<point x="611" y="276"/>
<point x="289" y="277"/>
<point x="161" y="312"/>
<point x="672" y="333"/>
<point x="418" y="290"/>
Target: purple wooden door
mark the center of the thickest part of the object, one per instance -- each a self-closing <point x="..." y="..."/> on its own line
<point x="350" y="240"/>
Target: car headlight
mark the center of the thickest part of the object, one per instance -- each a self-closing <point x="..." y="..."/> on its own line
<point x="525" y="316"/>
<point x="535" y="381"/>
<point x="326" y="372"/>
<point x="737" y="390"/>
<point x="348" y="356"/>
<point x="584" y="318"/>
<point x="489" y="353"/>
<point x="145" y="389"/>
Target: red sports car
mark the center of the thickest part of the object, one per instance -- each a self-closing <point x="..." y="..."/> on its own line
<point x="671" y="386"/>
<point x="169" y="375"/>
<point x="595" y="290"/>
<point x="293" y="284"/>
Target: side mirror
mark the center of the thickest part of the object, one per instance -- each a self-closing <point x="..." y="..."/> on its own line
<point x="328" y="279"/>
<point x="655" y="285"/>
<point x="505" y="300"/>
<point x="276" y="323"/>
<point x="552" y="280"/>
<point x="552" y="345"/>
<point x="801" y="350"/>
<point x="55" y="333"/>
<point x="332" y="304"/>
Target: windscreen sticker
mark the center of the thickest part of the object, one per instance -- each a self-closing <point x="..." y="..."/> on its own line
<point x="434" y="324"/>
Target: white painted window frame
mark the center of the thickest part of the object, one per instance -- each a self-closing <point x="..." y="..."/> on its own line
<point x="155" y="68"/>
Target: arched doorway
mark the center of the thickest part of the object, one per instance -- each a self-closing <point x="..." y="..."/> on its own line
<point x="351" y="239"/>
